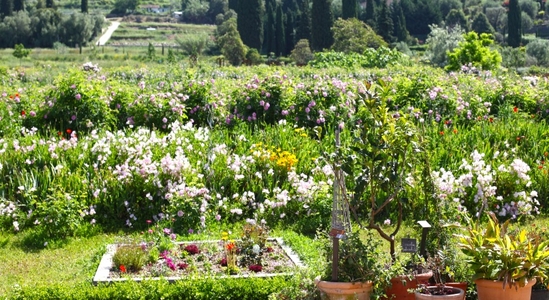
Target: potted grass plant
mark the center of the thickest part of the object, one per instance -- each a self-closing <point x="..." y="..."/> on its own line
<point x="505" y="264"/>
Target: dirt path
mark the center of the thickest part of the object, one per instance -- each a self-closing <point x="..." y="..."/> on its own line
<point x="107" y="35"/>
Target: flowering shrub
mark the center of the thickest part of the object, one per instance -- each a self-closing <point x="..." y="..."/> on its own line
<point x="499" y="185"/>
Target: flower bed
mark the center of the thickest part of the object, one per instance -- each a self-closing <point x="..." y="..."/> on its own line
<point x="200" y="259"/>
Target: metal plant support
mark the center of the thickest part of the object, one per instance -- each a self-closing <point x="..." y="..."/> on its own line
<point x="341" y="221"/>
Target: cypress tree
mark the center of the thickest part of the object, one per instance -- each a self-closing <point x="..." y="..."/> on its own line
<point x="321" y="23"/>
<point x="233" y="4"/>
<point x="18" y="5"/>
<point x="385" y="23"/>
<point x="290" y="32"/>
<point x="250" y="25"/>
<point x="303" y="31"/>
<point x="269" y="40"/>
<point x="348" y="9"/>
<point x="369" y="16"/>
<point x="6" y="7"/>
<point x="279" y="32"/>
<point x="399" y="22"/>
<point x="84" y="6"/>
<point x="514" y="36"/>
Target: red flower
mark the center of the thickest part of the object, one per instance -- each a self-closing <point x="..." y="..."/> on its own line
<point x="23" y="113"/>
<point x="441" y="133"/>
<point x="16" y="94"/>
<point x="491" y="120"/>
<point x="540" y="167"/>
<point x="192" y="249"/>
<point x="122" y="269"/>
<point x="515" y="109"/>
<point x="230" y="246"/>
<point x="223" y="262"/>
<point x="182" y="266"/>
<point x="455" y="131"/>
<point x="255" y="268"/>
<point x="68" y="131"/>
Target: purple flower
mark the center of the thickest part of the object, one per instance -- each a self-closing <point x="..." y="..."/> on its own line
<point x="78" y="97"/>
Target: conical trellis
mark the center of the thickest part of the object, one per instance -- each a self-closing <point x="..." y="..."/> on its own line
<point x="341" y="221"/>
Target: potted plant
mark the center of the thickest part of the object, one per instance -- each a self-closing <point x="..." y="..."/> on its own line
<point x="505" y="264"/>
<point x="374" y="162"/>
<point x="441" y="272"/>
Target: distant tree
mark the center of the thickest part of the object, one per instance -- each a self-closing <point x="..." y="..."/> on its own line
<point x="353" y="35"/>
<point x="475" y="49"/>
<point x="279" y="33"/>
<point x="217" y="7"/>
<point x="196" y="12"/>
<point x="253" y="57"/>
<point x="20" y="52"/>
<point x="193" y="46"/>
<point x="369" y="16"/>
<point x="497" y="16"/>
<point x="539" y="49"/>
<point x="420" y="14"/>
<point x="269" y="40"/>
<point x="399" y="22"/>
<point x="123" y="6"/>
<point x="384" y="23"/>
<point x="45" y="24"/>
<point x="445" y="6"/>
<point x="349" y="9"/>
<point x="84" y="6"/>
<point x="530" y="7"/>
<point x="233" y="4"/>
<point x="456" y="17"/>
<point x="302" y="53"/>
<point x="440" y="41"/>
<point x="15" y="29"/>
<point x="50" y="4"/>
<point x="303" y="31"/>
<point x="321" y="24"/>
<point x="231" y="45"/>
<point x="526" y="22"/>
<point x="249" y="22"/>
<point x="481" y="24"/>
<point x="6" y="8"/>
<point x="514" y="24"/>
<point x="18" y="5"/>
<point x="289" y="27"/>
<point x="77" y="30"/>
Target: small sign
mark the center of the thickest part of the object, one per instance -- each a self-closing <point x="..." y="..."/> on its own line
<point x="409" y="245"/>
<point x="338" y="233"/>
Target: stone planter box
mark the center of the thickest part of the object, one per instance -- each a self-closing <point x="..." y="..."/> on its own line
<point x="103" y="273"/>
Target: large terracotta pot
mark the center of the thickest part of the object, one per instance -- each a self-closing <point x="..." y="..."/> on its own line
<point x="344" y="290"/>
<point x="494" y="290"/>
<point x="459" y="295"/>
<point x="460" y="285"/>
<point x="400" y="286"/>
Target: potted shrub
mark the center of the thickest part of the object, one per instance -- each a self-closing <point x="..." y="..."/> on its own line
<point x="505" y="265"/>
<point x="441" y="273"/>
<point x="376" y="162"/>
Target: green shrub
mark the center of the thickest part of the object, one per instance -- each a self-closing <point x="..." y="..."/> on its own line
<point x="474" y="50"/>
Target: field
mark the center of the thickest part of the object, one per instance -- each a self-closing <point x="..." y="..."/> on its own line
<point x="93" y="153"/>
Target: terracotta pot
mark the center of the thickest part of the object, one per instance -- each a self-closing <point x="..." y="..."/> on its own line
<point x="400" y="286"/>
<point x="460" y="285"/>
<point x="494" y="289"/>
<point x="344" y="290"/>
<point x="459" y="295"/>
<point x="540" y="295"/>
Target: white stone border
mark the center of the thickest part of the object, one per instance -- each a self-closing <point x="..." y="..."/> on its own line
<point x="104" y="268"/>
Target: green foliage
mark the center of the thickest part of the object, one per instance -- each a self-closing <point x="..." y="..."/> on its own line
<point x="230" y="43"/>
<point x="349" y="9"/>
<point x="130" y="258"/>
<point x="250" y="25"/>
<point x="378" y="58"/>
<point x="539" y="49"/>
<point x="514" y="24"/>
<point x="253" y="57"/>
<point x="151" y="52"/>
<point x="302" y="53"/>
<point x="513" y="57"/>
<point x="474" y="50"/>
<point x="280" y="33"/>
<point x="15" y="29"/>
<point x="496" y="253"/>
<point x="440" y="42"/>
<point x="353" y="35"/>
<point x="20" y="51"/>
<point x="480" y="24"/>
<point x="321" y="24"/>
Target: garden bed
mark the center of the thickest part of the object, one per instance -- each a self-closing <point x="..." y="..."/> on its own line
<point x="279" y="260"/>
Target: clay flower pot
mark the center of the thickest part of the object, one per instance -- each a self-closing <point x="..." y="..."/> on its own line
<point x="344" y="290"/>
<point x="401" y="284"/>
<point x="494" y="289"/>
<point x="459" y="295"/>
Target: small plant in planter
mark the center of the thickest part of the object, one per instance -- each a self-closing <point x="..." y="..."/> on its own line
<point x="130" y="258"/>
<point x="441" y="273"/>
<point x="510" y="261"/>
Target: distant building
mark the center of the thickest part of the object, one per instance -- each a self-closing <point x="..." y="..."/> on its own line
<point x="177" y="14"/>
<point x="152" y="8"/>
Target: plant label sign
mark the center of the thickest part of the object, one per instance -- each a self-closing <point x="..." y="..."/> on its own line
<point x="409" y="245"/>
